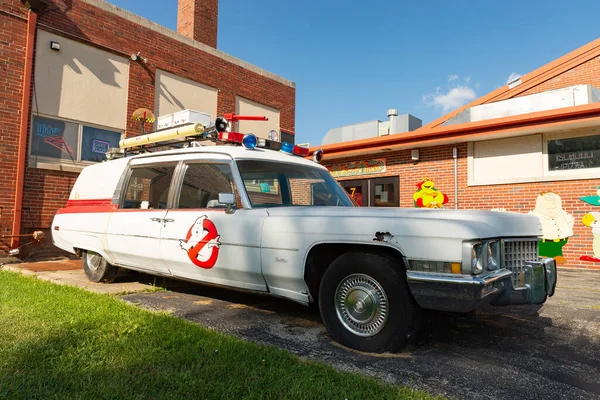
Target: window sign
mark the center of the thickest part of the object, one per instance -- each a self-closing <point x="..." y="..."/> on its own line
<point x="95" y="143"/>
<point x="574" y="153"/>
<point x="58" y="141"/>
<point x="55" y="139"/>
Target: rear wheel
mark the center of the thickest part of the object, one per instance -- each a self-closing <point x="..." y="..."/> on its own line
<point x="366" y="304"/>
<point x="97" y="269"/>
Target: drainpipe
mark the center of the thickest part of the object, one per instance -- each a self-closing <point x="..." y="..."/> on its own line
<point x="25" y="110"/>
<point x="455" y="156"/>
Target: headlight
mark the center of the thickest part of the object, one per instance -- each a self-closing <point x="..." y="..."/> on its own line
<point x="480" y="256"/>
<point x="493" y="256"/>
<point x="476" y="261"/>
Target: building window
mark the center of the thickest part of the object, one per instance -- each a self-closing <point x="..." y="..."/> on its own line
<point x="95" y="142"/>
<point x="574" y="153"/>
<point x="58" y="141"/>
<point x="566" y="155"/>
<point x="287" y="137"/>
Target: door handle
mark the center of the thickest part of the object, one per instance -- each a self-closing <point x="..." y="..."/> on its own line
<point x="156" y="219"/>
<point x="168" y="220"/>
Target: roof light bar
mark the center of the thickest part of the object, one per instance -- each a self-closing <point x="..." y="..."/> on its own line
<point x="300" y="151"/>
<point x="269" y="144"/>
<point x="231" y="137"/>
<point x="220" y="132"/>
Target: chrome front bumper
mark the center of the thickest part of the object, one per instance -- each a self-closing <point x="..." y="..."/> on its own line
<point x="463" y="293"/>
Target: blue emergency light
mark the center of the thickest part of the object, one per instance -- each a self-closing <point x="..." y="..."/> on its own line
<point x="287" y="147"/>
<point x="249" y="141"/>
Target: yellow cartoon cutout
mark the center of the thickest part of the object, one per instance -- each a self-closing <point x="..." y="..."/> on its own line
<point x="592" y="220"/>
<point x="557" y="225"/>
<point x="428" y="196"/>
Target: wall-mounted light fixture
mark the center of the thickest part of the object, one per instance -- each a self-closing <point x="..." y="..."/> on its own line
<point x="136" y="57"/>
<point x="414" y="155"/>
<point x="54" y="45"/>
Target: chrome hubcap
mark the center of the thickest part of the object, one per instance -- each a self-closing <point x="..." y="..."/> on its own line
<point x="361" y="305"/>
<point x="93" y="260"/>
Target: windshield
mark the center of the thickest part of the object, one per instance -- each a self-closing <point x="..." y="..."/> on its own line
<point x="277" y="184"/>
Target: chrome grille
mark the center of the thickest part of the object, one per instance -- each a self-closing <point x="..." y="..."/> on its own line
<point x="515" y="252"/>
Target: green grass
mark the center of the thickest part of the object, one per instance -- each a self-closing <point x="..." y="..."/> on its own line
<point x="62" y="342"/>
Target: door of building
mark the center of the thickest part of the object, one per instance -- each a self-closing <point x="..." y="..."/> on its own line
<point x="376" y="192"/>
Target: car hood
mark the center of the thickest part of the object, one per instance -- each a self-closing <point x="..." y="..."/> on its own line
<point x="475" y="224"/>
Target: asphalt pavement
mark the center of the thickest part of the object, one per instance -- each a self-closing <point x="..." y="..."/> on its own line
<point x="550" y="351"/>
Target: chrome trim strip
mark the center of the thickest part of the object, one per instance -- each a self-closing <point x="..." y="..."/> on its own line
<point x="177" y="239"/>
<point x="278" y="248"/>
<point x="415" y="276"/>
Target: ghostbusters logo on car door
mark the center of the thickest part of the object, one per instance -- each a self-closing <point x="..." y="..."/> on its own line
<point x="202" y="243"/>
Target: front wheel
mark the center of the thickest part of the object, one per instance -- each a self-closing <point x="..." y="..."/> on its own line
<point x="97" y="269"/>
<point x="366" y="304"/>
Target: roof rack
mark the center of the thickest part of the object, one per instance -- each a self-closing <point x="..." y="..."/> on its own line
<point x="193" y="134"/>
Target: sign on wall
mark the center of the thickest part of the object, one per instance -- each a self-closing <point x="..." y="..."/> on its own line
<point x="574" y="153"/>
<point x="354" y="168"/>
<point x="53" y="138"/>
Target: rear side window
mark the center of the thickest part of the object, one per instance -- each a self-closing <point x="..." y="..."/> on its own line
<point x="202" y="184"/>
<point x="148" y="187"/>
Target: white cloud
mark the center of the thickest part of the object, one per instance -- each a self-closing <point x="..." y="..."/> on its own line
<point x="513" y="77"/>
<point x="455" y="98"/>
<point x="457" y="95"/>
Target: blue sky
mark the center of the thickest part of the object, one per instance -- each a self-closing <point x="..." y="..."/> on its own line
<point x="352" y="60"/>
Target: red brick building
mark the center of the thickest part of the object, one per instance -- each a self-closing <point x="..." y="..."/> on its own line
<point x="539" y="133"/>
<point x="91" y="65"/>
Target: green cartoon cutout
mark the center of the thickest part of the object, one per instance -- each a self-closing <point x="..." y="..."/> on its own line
<point x="557" y="225"/>
<point x="592" y="220"/>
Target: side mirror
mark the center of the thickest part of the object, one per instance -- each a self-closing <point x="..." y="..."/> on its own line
<point x="229" y="200"/>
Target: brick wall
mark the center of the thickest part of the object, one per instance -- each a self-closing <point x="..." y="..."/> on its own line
<point x="586" y="73"/>
<point x="45" y="190"/>
<point x="437" y="164"/>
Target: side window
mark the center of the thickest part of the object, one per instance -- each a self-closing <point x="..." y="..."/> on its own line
<point x="148" y="187"/>
<point x="202" y="184"/>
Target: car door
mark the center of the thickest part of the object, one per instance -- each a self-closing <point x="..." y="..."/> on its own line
<point x="201" y="240"/>
<point x="133" y="233"/>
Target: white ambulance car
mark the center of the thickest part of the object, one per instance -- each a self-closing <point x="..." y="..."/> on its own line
<point x="245" y="216"/>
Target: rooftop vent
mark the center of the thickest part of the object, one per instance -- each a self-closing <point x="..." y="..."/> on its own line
<point x="364" y="130"/>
